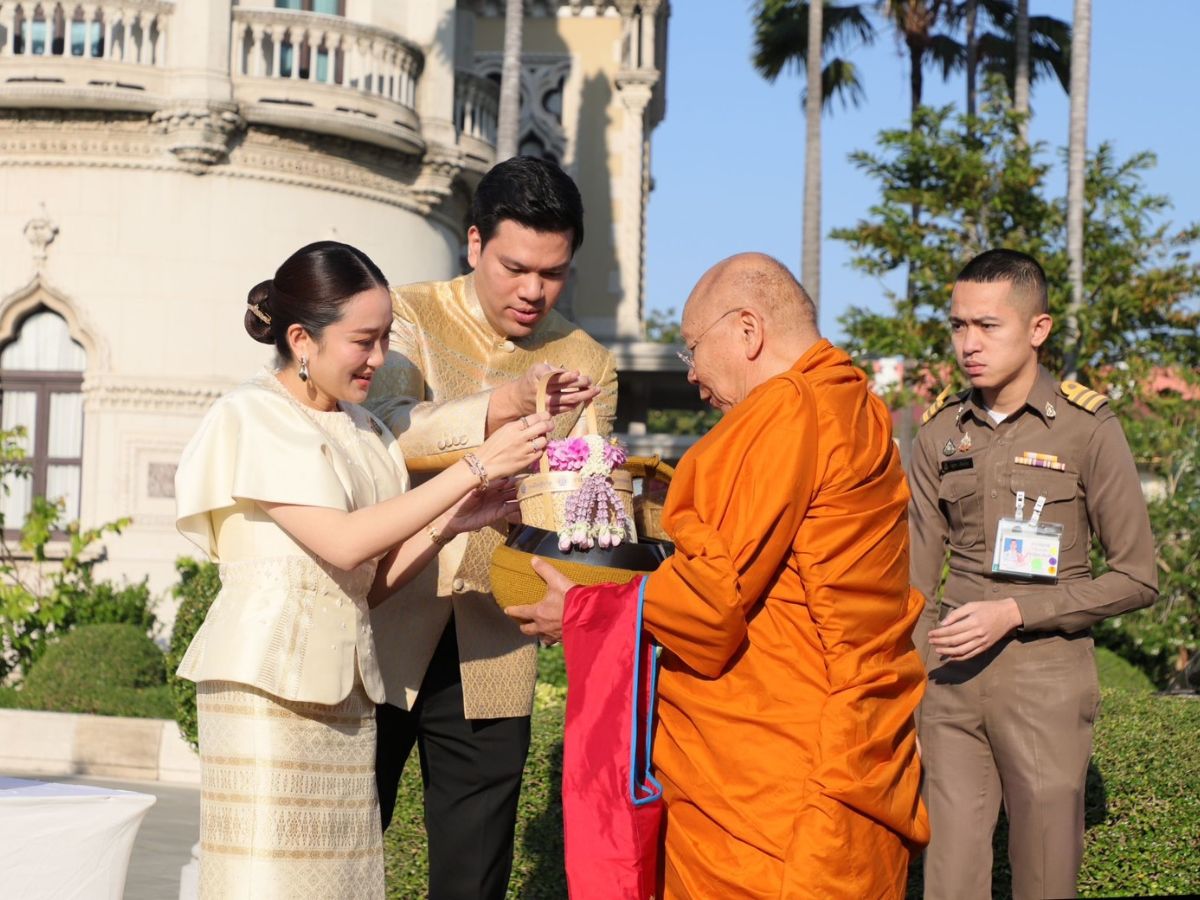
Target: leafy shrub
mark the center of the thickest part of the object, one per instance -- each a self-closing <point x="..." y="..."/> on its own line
<point x="1161" y="419"/>
<point x="40" y="597"/>
<point x="110" y="670"/>
<point x="1120" y="674"/>
<point x="199" y="583"/>
<point x="8" y="698"/>
<point x="538" y="858"/>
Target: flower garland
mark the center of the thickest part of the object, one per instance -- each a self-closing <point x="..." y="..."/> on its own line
<point x="594" y="513"/>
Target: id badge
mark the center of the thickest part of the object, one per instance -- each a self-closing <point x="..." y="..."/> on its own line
<point x="1027" y="549"/>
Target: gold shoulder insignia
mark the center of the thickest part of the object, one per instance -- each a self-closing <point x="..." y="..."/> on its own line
<point x="1084" y="398"/>
<point x="940" y="402"/>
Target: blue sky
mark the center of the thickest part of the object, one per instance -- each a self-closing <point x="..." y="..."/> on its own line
<point x="728" y="160"/>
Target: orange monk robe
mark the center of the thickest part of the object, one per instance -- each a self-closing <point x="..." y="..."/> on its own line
<point x="785" y="742"/>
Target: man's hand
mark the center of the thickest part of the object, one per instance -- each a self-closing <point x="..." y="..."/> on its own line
<point x="974" y="627"/>
<point x="566" y="390"/>
<point x="544" y="619"/>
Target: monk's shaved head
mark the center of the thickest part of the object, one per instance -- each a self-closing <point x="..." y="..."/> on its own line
<point x="757" y="281"/>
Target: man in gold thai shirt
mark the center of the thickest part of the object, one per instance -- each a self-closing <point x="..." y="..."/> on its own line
<point x="466" y="356"/>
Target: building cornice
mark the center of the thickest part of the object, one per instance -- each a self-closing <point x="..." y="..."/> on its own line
<point x="424" y="186"/>
<point x="108" y="392"/>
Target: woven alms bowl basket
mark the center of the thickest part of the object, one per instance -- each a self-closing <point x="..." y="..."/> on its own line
<point x="543" y="496"/>
<point x="648" y="505"/>
<point x="514" y="583"/>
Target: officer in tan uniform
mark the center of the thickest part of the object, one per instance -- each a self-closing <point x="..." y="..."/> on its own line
<point x="1012" y="478"/>
<point x="465" y="358"/>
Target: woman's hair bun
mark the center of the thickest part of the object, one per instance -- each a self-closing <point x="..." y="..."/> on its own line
<point x="258" y="313"/>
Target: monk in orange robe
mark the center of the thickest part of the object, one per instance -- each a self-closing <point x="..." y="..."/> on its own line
<point x="785" y="743"/>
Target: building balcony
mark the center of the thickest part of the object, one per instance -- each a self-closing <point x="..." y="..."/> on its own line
<point x="476" y="105"/>
<point x="328" y="75"/>
<point x="97" y="55"/>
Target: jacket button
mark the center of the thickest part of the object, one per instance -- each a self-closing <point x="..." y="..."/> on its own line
<point x="508" y="346"/>
<point x="458" y="585"/>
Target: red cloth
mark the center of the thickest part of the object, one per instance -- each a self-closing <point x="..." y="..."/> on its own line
<point x="612" y="806"/>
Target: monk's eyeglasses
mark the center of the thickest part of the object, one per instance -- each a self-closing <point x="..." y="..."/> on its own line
<point x="688" y="356"/>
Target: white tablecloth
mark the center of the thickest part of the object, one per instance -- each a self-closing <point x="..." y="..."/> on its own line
<point x="66" y="841"/>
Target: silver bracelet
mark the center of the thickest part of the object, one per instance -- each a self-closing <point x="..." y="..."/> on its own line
<point x="477" y="470"/>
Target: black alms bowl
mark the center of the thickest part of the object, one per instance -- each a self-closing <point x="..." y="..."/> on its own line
<point x="644" y="556"/>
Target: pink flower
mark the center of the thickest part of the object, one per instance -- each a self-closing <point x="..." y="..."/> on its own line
<point x="614" y="454"/>
<point x="567" y="454"/>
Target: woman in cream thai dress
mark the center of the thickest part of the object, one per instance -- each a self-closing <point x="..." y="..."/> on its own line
<point x="293" y="489"/>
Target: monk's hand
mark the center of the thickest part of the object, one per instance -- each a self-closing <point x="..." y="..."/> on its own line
<point x="544" y="619"/>
<point x="974" y="627"/>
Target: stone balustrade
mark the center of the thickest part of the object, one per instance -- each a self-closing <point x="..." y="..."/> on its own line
<point x="326" y="74"/>
<point x="476" y="104"/>
<point x="109" y="54"/>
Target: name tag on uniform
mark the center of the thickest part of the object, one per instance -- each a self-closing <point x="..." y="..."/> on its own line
<point x="1027" y="549"/>
<point x="954" y="465"/>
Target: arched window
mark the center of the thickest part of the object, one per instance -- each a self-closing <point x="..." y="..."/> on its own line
<point x="41" y="389"/>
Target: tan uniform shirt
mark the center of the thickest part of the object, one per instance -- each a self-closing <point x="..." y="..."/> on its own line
<point x="964" y="480"/>
<point x="433" y="392"/>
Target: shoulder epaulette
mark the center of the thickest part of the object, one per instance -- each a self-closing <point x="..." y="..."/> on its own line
<point x="941" y="401"/>
<point x="1084" y="398"/>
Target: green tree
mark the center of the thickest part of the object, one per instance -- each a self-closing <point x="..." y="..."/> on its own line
<point x="662" y="327"/>
<point x="985" y="188"/>
<point x="1020" y="49"/>
<point x="796" y="33"/>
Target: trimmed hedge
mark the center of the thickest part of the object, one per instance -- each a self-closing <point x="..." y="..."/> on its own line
<point x="108" y="670"/>
<point x="199" y="584"/>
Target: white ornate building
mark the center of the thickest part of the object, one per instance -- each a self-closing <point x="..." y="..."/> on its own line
<point x="158" y="158"/>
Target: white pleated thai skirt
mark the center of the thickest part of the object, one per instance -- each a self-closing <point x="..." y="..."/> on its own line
<point x="288" y="805"/>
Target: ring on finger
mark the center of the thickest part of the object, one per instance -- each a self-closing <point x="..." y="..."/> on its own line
<point x="524" y="422"/>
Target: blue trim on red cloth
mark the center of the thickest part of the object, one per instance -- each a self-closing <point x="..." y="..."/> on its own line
<point x="644" y="788"/>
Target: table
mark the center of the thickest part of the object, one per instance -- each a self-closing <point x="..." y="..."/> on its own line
<point x="66" y="841"/>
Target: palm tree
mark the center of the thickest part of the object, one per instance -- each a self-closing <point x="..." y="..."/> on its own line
<point x="1081" y="40"/>
<point x="810" y="261"/>
<point x="1021" y="75"/>
<point x="971" y="15"/>
<point x="1043" y="51"/>
<point x="915" y="22"/>
<point x="509" y="115"/>
<point x="791" y="33"/>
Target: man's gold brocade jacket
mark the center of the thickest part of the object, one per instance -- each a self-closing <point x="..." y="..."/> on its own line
<point x="433" y="392"/>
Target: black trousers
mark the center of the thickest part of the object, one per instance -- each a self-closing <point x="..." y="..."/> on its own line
<point x="471" y="771"/>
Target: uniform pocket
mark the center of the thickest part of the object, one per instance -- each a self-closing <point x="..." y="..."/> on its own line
<point x="1061" y="491"/>
<point x="962" y="505"/>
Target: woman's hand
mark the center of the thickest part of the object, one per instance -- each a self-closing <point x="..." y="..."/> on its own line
<point x="475" y="511"/>
<point x="514" y="447"/>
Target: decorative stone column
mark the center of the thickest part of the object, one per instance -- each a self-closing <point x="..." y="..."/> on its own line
<point x="202" y="121"/>
<point x="636" y="86"/>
